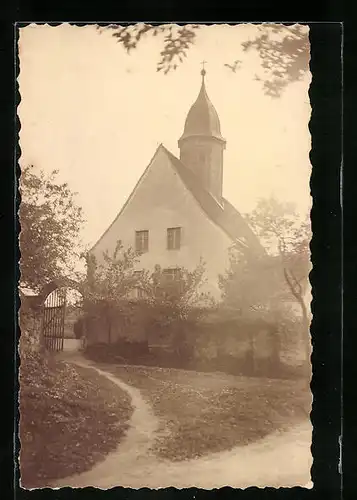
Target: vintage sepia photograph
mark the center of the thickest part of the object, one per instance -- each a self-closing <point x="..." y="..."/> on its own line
<point x="165" y="256"/>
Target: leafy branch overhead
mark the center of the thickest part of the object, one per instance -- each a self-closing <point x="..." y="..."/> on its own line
<point x="283" y="50"/>
<point x="177" y="41"/>
<point x="285" y="58"/>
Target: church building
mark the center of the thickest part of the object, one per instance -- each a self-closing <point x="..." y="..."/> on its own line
<point x="177" y="214"/>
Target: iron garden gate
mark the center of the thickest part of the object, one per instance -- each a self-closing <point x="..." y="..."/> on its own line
<point x="53" y="317"/>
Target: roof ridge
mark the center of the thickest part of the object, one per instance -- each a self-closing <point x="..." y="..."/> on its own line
<point x="213" y="209"/>
<point x="160" y="146"/>
<point x="192" y="174"/>
<point x="230" y="221"/>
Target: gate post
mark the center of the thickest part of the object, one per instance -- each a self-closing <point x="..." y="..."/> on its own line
<point x="42" y="343"/>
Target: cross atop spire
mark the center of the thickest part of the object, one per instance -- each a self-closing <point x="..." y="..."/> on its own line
<point x="203" y="71"/>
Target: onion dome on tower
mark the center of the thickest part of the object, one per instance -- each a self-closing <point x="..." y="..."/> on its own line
<point x="202" y="145"/>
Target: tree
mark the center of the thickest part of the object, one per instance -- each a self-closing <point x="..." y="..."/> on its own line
<point x="253" y="289"/>
<point x="50" y="224"/>
<point x="287" y="237"/>
<point x="283" y="50"/>
<point x="284" y="54"/>
<point x="251" y="284"/>
<point x="177" y="303"/>
<point x="176" y="43"/>
<point x="115" y="277"/>
<point x="166" y="302"/>
<point x="109" y="283"/>
<point x="183" y="286"/>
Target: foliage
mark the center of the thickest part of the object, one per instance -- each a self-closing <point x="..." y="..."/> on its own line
<point x="110" y="282"/>
<point x="182" y="295"/>
<point x="222" y="341"/>
<point x="284" y="53"/>
<point x="286" y="235"/>
<point x="283" y="50"/>
<point x="29" y="346"/>
<point x="251" y="285"/>
<point x="164" y="304"/>
<point x="77" y="414"/>
<point x="50" y="225"/>
<point x="115" y="276"/>
<point x="176" y="307"/>
<point x="29" y="322"/>
<point x="177" y="41"/>
<point x="266" y="286"/>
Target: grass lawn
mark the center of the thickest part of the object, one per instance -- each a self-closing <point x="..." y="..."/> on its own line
<point x="210" y="412"/>
<point x="70" y="418"/>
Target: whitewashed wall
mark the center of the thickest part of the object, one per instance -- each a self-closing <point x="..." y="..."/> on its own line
<point x="161" y="201"/>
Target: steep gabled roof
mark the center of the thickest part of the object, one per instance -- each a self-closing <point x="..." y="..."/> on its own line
<point x="128" y="200"/>
<point x="225" y="216"/>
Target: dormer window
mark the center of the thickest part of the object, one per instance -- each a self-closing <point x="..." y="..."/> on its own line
<point x="173" y="238"/>
<point x="142" y="241"/>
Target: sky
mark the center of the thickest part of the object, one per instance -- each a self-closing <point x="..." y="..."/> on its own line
<point x="98" y="114"/>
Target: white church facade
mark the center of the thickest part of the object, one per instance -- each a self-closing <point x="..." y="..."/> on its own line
<point x="176" y="214"/>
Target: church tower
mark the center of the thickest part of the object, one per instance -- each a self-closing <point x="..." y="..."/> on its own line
<point x="201" y="144"/>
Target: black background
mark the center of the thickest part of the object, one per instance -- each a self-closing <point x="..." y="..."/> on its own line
<point x="326" y="278"/>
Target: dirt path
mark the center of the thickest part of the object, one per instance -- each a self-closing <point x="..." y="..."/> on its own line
<point x="279" y="460"/>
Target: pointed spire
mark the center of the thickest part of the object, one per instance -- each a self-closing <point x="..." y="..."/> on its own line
<point x="202" y="119"/>
<point x="203" y="71"/>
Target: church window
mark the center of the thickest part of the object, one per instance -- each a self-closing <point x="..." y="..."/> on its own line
<point x="141" y="241"/>
<point x="173" y="238"/>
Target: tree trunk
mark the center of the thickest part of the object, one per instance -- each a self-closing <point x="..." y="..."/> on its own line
<point x="297" y="292"/>
<point x="306" y="338"/>
<point x="305" y="330"/>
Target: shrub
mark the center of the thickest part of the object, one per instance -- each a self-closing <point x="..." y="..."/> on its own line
<point x="120" y="351"/>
